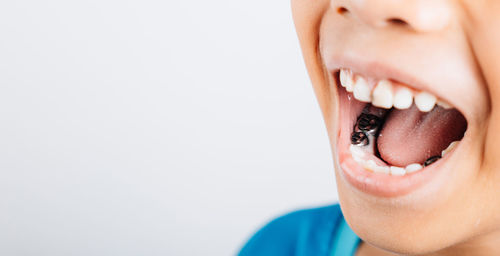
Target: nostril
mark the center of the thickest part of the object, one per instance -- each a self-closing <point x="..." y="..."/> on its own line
<point x="342" y="10"/>
<point x="397" y="21"/>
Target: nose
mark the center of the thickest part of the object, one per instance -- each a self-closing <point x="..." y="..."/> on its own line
<point x="417" y="15"/>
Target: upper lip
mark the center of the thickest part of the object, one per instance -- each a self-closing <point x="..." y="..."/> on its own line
<point x="378" y="70"/>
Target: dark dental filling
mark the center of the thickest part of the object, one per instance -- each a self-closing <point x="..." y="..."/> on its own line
<point x="409" y="136"/>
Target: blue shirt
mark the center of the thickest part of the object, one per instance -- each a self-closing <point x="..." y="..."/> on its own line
<point x="312" y="232"/>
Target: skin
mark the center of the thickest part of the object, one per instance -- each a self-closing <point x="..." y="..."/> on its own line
<point x="453" y="46"/>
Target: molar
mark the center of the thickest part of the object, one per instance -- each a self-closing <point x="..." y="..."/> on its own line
<point x="368" y="123"/>
<point x="356" y="151"/>
<point x="449" y="148"/>
<point x="360" y="138"/>
<point x="431" y="160"/>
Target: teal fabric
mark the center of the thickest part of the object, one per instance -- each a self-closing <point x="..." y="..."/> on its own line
<point x="345" y="242"/>
<point x="312" y="232"/>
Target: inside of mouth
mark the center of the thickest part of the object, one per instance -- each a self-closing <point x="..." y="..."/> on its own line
<point x="401" y="137"/>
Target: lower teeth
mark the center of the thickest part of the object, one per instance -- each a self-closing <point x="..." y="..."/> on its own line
<point x="367" y="126"/>
<point x="368" y="123"/>
<point x="365" y="132"/>
<point x="359" y="139"/>
<point x="431" y="160"/>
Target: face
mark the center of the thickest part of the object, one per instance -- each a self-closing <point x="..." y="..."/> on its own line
<point x="410" y="94"/>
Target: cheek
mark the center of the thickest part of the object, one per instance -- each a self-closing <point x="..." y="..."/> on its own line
<point x="490" y="171"/>
<point x="482" y="29"/>
<point x="307" y="16"/>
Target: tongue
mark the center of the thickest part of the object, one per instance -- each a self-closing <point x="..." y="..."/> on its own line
<point x="410" y="136"/>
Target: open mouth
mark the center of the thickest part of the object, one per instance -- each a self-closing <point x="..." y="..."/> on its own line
<point x="391" y="129"/>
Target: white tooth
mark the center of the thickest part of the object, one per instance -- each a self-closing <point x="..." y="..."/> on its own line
<point x="413" y="168"/>
<point x="356" y="151"/>
<point x="449" y="148"/>
<point x="397" y="171"/>
<point x="358" y="160"/>
<point x="403" y="98"/>
<point x="343" y="77"/>
<point x="346" y="79"/>
<point x="361" y="90"/>
<point x="382" y="94"/>
<point x="370" y="165"/>
<point x="444" y="104"/>
<point x="425" y="101"/>
<point x="382" y="169"/>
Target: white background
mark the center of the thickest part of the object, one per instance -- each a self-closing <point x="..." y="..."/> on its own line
<point x="140" y="127"/>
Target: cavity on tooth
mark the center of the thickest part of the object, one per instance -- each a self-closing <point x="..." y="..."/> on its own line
<point x="361" y="90"/>
<point x="382" y="94"/>
<point x="397" y="171"/>
<point x="413" y="168"/>
<point x="382" y="169"/>
<point x="444" y="104"/>
<point x="449" y="148"/>
<point x="403" y="98"/>
<point x="346" y="80"/>
<point x="425" y="101"/>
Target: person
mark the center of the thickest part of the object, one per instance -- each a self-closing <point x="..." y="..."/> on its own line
<point x="407" y="89"/>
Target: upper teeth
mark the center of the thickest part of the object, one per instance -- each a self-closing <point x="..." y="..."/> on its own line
<point x="346" y="79"/>
<point x="425" y="101"/>
<point x="361" y="90"/>
<point x="403" y="98"/>
<point x="383" y="94"/>
<point x="387" y="94"/>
